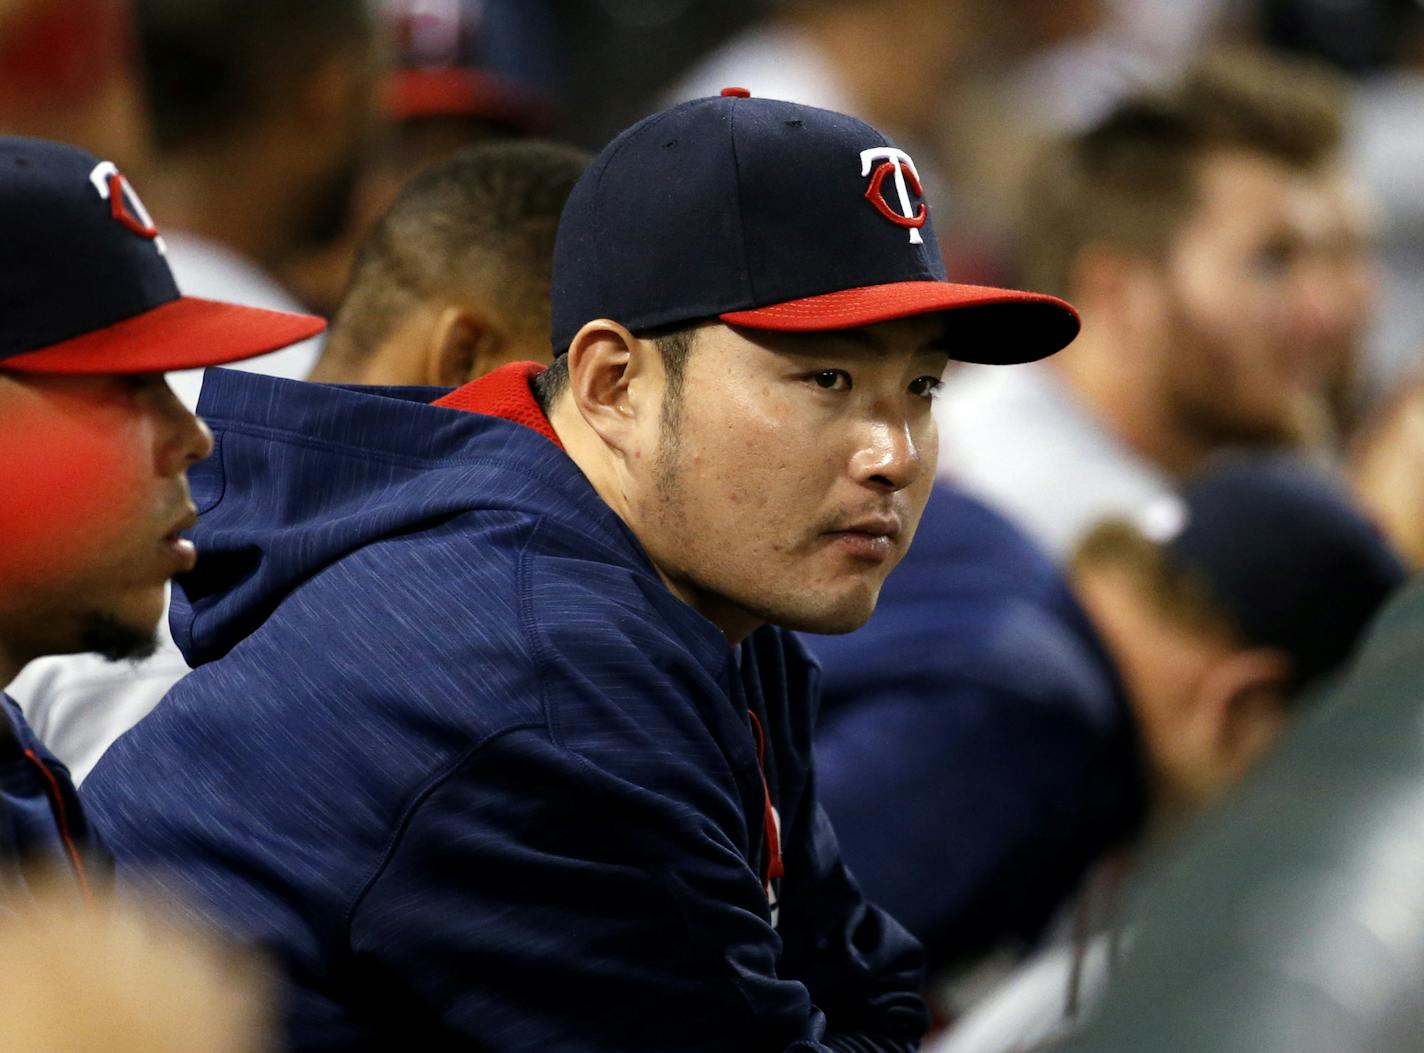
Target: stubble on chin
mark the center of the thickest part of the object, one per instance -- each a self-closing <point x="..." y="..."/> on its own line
<point x="116" y="640"/>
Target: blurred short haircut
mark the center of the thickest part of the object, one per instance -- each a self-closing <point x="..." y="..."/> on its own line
<point x="1130" y="181"/>
<point x="1180" y="595"/>
<point x="477" y="228"/>
<point x="1264" y="547"/>
<point x="211" y="66"/>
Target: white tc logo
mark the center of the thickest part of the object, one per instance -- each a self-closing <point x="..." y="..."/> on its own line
<point x="124" y="203"/>
<point x="898" y="163"/>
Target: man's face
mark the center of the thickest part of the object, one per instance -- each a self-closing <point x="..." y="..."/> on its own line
<point x="1242" y="317"/>
<point x="92" y="469"/>
<point x="786" y="480"/>
<point x="1343" y="272"/>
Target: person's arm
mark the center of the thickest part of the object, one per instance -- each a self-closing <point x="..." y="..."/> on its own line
<point x="536" y="900"/>
<point x="862" y="969"/>
<point x="968" y="812"/>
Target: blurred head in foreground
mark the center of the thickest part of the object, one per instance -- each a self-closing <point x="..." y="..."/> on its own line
<point x="1225" y="607"/>
<point x="121" y="977"/>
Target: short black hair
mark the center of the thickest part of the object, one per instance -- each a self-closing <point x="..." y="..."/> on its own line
<point x="674" y="344"/>
<point x="211" y="66"/>
<point x="480" y="226"/>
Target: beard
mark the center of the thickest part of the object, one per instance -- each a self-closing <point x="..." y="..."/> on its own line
<point x="1219" y="402"/>
<point x="115" y="640"/>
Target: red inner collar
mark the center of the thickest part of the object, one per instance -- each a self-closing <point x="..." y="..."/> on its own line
<point x="504" y="393"/>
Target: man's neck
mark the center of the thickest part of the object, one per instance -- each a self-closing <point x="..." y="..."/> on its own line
<point x="588" y="452"/>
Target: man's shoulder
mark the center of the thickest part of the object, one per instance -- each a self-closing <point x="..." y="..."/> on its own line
<point x="1012" y="436"/>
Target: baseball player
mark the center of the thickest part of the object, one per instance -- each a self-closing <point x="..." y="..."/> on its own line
<point x="496" y="737"/>
<point x="452" y="282"/>
<point x="93" y="446"/>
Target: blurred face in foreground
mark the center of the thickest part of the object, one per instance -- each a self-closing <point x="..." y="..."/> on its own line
<point x="92" y="469"/>
<point x="782" y="477"/>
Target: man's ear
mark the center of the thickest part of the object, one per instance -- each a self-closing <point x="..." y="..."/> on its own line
<point x="614" y="382"/>
<point x="463" y="346"/>
<point x="1243" y="700"/>
<point x="1119" y="286"/>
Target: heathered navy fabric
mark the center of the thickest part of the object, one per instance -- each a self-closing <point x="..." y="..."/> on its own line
<point x="33" y="823"/>
<point x="976" y="751"/>
<point x="470" y="769"/>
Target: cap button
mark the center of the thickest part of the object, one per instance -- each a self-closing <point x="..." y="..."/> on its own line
<point x="736" y="93"/>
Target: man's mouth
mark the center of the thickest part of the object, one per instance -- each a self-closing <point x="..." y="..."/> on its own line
<point x="870" y="538"/>
<point x="182" y="550"/>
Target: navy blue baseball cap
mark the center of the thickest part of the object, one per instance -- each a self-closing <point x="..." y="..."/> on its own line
<point x="772" y="215"/>
<point x="87" y="288"/>
<point x="487" y="60"/>
<point x="1285" y="553"/>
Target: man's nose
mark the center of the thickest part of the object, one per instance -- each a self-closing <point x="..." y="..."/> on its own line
<point x="186" y="439"/>
<point x="890" y="456"/>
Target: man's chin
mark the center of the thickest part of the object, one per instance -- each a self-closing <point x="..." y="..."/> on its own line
<point x="835" y="619"/>
<point x="115" y="639"/>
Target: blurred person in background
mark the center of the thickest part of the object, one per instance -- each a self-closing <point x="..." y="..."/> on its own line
<point x="997" y="729"/>
<point x="466" y="71"/>
<point x="1293" y="920"/>
<point x="905" y="65"/>
<point x="1387" y="470"/>
<point x="94" y="452"/>
<point x="1228" y="610"/>
<point x="1380" y="43"/>
<point x="453" y="282"/>
<point x="123" y="976"/>
<point x="1193" y="225"/>
<point x="975" y="747"/>
<point x="261" y="113"/>
<point x="68" y="73"/>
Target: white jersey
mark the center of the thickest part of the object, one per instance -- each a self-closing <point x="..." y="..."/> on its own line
<point x="1017" y="439"/>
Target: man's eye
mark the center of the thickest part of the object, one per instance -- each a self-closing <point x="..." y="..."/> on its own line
<point x="925" y="387"/>
<point x="832" y="379"/>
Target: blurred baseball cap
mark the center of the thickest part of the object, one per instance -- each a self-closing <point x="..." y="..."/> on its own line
<point x="488" y="60"/>
<point x="57" y="51"/>
<point x="87" y="288"/>
<point x="1285" y="553"/>
<point x="772" y="215"/>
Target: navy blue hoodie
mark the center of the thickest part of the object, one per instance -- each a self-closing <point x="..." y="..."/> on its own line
<point x="42" y="825"/>
<point x="976" y="751"/>
<point x="456" y="754"/>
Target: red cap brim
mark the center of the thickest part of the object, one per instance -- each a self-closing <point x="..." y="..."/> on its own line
<point x="992" y="326"/>
<point x="186" y="333"/>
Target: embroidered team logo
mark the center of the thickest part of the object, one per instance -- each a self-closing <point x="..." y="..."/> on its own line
<point x="124" y="203"/>
<point x="897" y="163"/>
